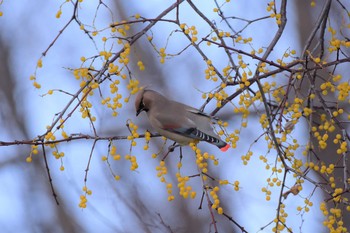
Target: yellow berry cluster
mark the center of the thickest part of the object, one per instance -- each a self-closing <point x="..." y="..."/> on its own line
<point x="133" y="86"/>
<point x="83" y="199"/>
<point x="275" y="180"/>
<point x="223" y="34"/>
<point x="85" y="107"/>
<point x="259" y="51"/>
<point x="244" y="80"/>
<point x="35" y="83"/>
<point x="321" y="133"/>
<point x="201" y="159"/>
<point x="137" y="16"/>
<point x="105" y="54"/>
<point x="226" y="71"/>
<point x="147" y="139"/>
<point x="226" y="182"/>
<point x="216" y="200"/>
<point x="245" y="158"/>
<point x="58" y="155"/>
<point x="124" y="56"/>
<point x="113" y="69"/>
<point x="210" y="73"/>
<point x="233" y="138"/>
<point x="236" y="185"/>
<point x="94" y="85"/>
<point x="115" y="103"/>
<point x="245" y="113"/>
<point x="335" y="43"/>
<point x="334" y="221"/>
<point x="59" y="13"/>
<point x="33" y="77"/>
<point x="184" y="191"/>
<point x="296" y="110"/>
<point x="297" y="164"/>
<point x="245" y="101"/>
<point x="276" y="93"/>
<point x="343" y="145"/>
<point x="281" y="220"/>
<point x="162" y="171"/>
<point x="121" y="28"/>
<point x="327" y="86"/>
<point x="287" y="54"/>
<point x="343" y="91"/>
<point x="133" y="128"/>
<point x="214" y="38"/>
<point x="241" y="40"/>
<point x="39" y="64"/>
<point x="133" y="162"/>
<point x="114" y="88"/>
<point x="50" y="136"/>
<point x="242" y="65"/>
<point x="83" y="74"/>
<point x="63" y="133"/>
<point x="113" y="153"/>
<point x="267" y="193"/>
<point x="34" y="151"/>
<point x="162" y="55"/>
<point x="271" y="7"/>
<point x="271" y="181"/>
<point x="190" y="31"/>
<point x="219" y="96"/>
<point x="141" y="65"/>
<point x="289" y="151"/>
<point x="264" y="121"/>
<point x="223" y="126"/>
<point x="306" y="207"/>
<point x="262" y="68"/>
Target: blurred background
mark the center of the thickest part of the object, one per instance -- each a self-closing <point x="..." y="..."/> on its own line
<point x="138" y="201"/>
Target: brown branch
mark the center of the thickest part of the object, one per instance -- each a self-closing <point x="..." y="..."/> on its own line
<point x="264" y="100"/>
<point x="320" y="19"/>
<point x="49" y="175"/>
<point x="215" y="29"/>
<point x="89" y="161"/>
<point x="250" y="55"/>
<point x="63" y="29"/>
<point x="72" y="137"/>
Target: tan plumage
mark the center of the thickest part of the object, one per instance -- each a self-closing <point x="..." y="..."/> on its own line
<point x="177" y="121"/>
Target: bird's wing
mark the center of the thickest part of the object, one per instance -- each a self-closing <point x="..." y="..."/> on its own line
<point x="173" y="122"/>
<point x="199" y="113"/>
<point x="184" y="127"/>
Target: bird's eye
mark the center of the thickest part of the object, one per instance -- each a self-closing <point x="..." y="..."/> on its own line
<point x="142" y="105"/>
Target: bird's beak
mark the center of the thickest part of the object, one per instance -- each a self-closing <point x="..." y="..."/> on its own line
<point x="139" y="111"/>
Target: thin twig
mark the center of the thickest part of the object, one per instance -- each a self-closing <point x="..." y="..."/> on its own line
<point x="49" y="175"/>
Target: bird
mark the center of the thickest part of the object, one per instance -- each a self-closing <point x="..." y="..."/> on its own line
<point x="176" y="121"/>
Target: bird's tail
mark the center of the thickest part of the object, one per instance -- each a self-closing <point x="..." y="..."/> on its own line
<point x="223" y="146"/>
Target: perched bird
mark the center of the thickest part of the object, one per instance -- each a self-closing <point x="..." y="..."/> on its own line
<point x="177" y="121"/>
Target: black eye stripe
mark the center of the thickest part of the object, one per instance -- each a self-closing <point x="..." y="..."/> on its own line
<point x="141" y="105"/>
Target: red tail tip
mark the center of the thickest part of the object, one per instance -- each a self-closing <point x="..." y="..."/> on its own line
<point x="225" y="148"/>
